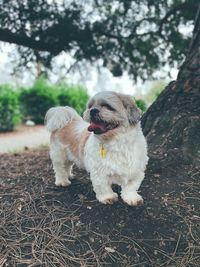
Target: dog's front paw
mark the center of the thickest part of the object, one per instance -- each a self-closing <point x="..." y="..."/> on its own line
<point x="133" y="199"/>
<point x="63" y="182"/>
<point x="108" y="198"/>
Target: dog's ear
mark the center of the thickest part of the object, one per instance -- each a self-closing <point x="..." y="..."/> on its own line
<point x="134" y="113"/>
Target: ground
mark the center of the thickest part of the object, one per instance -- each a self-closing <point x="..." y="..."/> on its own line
<point x="24" y="137"/>
<point x="42" y="225"/>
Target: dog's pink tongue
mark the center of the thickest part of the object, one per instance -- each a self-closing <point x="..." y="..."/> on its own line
<point x="93" y="127"/>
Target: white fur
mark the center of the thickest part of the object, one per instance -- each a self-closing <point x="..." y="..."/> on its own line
<point x="125" y="162"/>
<point x="57" y="117"/>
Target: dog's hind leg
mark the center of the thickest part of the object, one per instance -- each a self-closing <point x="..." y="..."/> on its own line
<point x="61" y="165"/>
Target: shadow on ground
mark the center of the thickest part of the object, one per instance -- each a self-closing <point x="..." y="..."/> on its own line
<point x="42" y="225"/>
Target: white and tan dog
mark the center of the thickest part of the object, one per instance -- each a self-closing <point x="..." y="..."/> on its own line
<point x="108" y="143"/>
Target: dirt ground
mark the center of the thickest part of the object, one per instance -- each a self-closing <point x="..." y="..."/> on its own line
<point x="42" y="225"/>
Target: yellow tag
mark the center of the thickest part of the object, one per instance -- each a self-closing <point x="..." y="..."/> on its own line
<point x="102" y="152"/>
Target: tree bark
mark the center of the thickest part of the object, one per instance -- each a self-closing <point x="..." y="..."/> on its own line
<point x="172" y="123"/>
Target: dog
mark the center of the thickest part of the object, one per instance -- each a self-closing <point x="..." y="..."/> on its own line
<point x="108" y="143"/>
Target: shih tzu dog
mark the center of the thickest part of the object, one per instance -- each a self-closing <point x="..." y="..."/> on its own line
<point x="108" y="143"/>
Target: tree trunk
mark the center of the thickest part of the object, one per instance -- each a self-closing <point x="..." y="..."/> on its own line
<point x="172" y="123"/>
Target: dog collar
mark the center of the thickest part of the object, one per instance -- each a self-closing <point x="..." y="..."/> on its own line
<point x="102" y="151"/>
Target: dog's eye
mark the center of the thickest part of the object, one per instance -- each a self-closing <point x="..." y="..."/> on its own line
<point x="90" y="105"/>
<point x="108" y="107"/>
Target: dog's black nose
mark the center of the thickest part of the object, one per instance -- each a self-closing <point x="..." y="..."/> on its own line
<point x="93" y="112"/>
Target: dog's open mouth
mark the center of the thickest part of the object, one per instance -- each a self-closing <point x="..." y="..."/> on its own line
<point x="101" y="127"/>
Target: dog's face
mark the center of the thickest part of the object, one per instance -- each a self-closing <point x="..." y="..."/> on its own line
<point x="110" y="113"/>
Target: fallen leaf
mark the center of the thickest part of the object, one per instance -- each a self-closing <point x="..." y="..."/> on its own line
<point x="109" y="249"/>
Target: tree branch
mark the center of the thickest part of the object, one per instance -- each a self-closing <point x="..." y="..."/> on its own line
<point x="171" y="12"/>
<point x="10" y="37"/>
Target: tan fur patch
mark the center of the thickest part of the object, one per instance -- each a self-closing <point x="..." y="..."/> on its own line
<point x="76" y="142"/>
<point x="68" y="137"/>
<point x="84" y="137"/>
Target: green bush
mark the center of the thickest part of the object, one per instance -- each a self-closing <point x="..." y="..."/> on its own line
<point x="35" y="101"/>
<point x="141" y="104"/>
<point x="9" y="108"/>
<point x="73" y="96"/>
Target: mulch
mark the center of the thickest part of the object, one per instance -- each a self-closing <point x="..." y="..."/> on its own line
<point x="42" y="225"/>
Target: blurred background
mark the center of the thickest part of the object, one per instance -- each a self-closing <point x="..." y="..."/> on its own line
<point x="61" y="52"/>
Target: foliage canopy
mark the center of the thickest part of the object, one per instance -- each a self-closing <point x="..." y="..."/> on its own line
<point x="134" y="35"/>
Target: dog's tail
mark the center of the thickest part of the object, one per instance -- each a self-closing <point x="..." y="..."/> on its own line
<point x="58" y="117"/>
